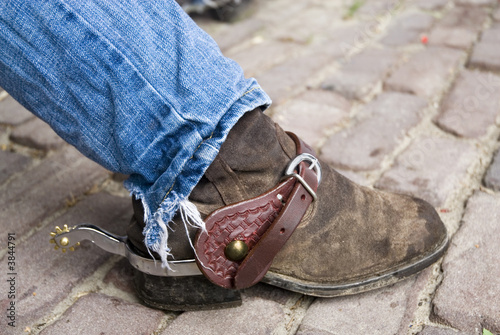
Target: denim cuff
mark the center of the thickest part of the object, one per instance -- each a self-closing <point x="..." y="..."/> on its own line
<point x="160" y="208"/>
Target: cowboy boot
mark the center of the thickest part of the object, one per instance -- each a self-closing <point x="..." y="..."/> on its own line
<point x="272" y="217"/>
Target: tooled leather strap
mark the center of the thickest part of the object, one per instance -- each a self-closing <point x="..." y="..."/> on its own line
<point x="263" y="223"/>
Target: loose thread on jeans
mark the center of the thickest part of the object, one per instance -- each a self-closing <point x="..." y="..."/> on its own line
<point x="199" y="145"/>
<point x="253" y="89"/>
<point x="166" y="195"/>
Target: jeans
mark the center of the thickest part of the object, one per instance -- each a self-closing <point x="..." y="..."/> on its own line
<point x="136" y="86"/>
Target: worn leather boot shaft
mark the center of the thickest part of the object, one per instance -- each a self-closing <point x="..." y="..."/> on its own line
<point x="349" y="235"/>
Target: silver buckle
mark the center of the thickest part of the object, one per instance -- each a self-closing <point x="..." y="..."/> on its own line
<point x="314" y="164"/>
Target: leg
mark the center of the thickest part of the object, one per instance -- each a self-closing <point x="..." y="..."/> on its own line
<point x="351" y="239"/>
<point x="137" y="87"/>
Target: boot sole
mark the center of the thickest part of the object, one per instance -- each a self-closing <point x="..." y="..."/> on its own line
<point x="193" y="293"/>
<point x="329" y="290"/>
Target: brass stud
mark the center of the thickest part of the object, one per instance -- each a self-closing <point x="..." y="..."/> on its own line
<point x="236" y="250"/>
<point x="64" y="241"/>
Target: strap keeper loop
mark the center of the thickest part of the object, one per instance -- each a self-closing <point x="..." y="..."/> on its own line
<point x="304" y="183"/>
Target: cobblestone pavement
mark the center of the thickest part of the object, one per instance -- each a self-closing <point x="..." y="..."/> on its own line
<point x="402" y="96"/>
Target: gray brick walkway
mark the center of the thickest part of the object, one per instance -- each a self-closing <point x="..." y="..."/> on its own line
<point x="398" y="95"/>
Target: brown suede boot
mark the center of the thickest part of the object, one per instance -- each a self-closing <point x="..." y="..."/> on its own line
<point x="350" y="239"/>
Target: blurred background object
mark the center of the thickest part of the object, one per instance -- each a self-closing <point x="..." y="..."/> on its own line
<point x="223" y="10"/>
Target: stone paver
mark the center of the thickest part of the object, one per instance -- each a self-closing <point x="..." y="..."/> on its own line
<point x="431" y="168"/>
<point x="491" y="35"/>
<point x="45" y="188"/>
<point x="468" y="296"/>
<point x="459" y="38"/>
<point x="389" y="310"/>
<point x="475" y="2"/>
<point x="362" y="73"/>
<point x="36" y="134"/>
<point x="428" y="330"/>
<point x="121" y="276"/>
<point x="281" y="81"/>
<point x="376" y="8"/>
<point x="408" y="28"/>
<point x="426" y="73"/>
<point x="261" y="313"/>
<point x="472" y="105"/>
<point x="276" y="12"/>
<point x="459" y="27"/>
<point x="484" y="54"/>
<point x="383" y="124"/>
<point x="492" y="179"/>
<point x="122" y="318"/>
<point x="496" y="14"/>
<point x="466" y="17"/>
<point x="233" y="34"/>
<point x="317" y="24"/>
<point x="12" y="113"/>
<point x="11" y="163"/>
<point x="263" y="55"/>
<point x="312" y="114"/>
<point x="337" y="43"/>
<point x="51" y="274"/>
<point x="431" y="4"/>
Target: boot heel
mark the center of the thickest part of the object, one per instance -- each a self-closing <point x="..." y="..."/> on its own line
<point x="183" y="293"/>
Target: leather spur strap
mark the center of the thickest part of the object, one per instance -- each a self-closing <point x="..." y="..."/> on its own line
<point x="263" y="223"/>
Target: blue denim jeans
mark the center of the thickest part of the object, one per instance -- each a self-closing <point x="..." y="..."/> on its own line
<point x="136" y="86"/>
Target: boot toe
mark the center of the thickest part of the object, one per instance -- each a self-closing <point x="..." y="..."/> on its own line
<point x="361" y="240"/>
<point x="432" y="234"/>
